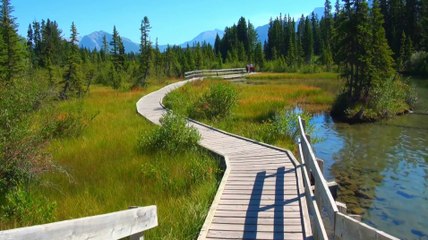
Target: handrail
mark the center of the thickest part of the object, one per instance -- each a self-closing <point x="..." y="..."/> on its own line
<point x="326" y="220"/>
<point x="128" y="223"/>
<point x="214" y="72"/>
<point x="325" y="207"/>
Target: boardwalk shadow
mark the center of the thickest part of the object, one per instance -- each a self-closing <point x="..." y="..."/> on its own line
<point x="254" y="206"/>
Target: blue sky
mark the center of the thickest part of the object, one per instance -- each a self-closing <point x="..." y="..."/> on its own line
<point x="172" y="21"/>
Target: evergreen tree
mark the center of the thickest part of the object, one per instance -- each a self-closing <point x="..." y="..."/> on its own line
<point x="145" y="51"/>
<point x="11" y="51"/>
<point x="308" y="40"/>
<point x="382" y="55"/>
<point x="259" y="58"/>
<point x="354" y="52"/>
<point x="217" y="45"/>
<point x="104" y="49"/>
<point x="72" y="77"/>
<point x="316" y="34"/>
<point x="424" y="24"/>
<point x="114" y="44"/>
<point x="406" y="50"/>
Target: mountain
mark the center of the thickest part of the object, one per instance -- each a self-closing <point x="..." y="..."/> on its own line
<point x="207" y="36"/>
<point x="95" y="41"/>
<point x="262" y="33"/>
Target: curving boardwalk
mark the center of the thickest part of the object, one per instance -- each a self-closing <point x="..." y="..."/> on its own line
<point x="259" y="197"/>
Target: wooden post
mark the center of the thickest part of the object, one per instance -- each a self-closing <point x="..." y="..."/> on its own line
<point x="341" y="207"/>
<point x="137" y="236"/>
<point x="333" y="187"/>
<point x="321" y="164"/>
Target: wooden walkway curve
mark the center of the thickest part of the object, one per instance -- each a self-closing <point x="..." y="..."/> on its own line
<point x="260" y="196"/>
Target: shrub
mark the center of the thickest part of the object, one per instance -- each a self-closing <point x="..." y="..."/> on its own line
<point x="66" y="124"/>
<point x="216" y="103"/>
<point x="283" y="125"/>
<point x="418" y="63"/>
<point x="173" y="135"/>
<point x="23" y="208"/>
<point x="21" y="154"/>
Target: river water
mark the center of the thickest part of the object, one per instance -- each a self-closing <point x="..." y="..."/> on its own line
<point x="382" y="168"/>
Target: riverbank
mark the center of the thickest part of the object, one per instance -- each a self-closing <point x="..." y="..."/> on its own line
<point x="381" y="167"/>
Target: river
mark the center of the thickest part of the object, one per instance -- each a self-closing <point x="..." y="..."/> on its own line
<point x="382" y="168"/>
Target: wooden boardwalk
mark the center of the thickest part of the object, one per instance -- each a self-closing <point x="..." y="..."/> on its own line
<point x="259" y="197"/>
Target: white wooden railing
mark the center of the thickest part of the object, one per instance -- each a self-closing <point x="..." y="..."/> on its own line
<point x="238" y="72"/>
<point x="129" y="223"/>
<point x="326" y="220"/>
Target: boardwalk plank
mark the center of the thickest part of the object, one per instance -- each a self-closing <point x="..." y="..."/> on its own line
<point x="259" y="198"/>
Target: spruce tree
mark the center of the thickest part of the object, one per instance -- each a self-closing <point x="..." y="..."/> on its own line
<point x="308" y="40"/>
<point x="382" y="60"/>
<point x="11" y="53"/>
<point x="145" y="51"/>
<point x="424" y="24"/>
<point x="73" y="85"/>
<point x="354" y="53"/>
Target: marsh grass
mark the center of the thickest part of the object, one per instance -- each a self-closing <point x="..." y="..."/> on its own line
<point x="260" y="98"/>
<point x="105" y="170"/>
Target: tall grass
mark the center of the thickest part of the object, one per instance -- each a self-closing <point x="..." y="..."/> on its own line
<point x="105" y="170"/>
<point x="261" y="98"/>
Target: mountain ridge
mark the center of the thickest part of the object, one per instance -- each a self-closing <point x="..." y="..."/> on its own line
<point x="94" y="40"/>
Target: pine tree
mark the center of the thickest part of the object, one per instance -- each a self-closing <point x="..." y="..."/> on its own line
<point x="72" y="77"/>
<point x="308" y="40"/>
<point x="259" y="58"/>
<point x="424" y="24"/>
<point x="354" y="53"/>
<point x="104" y="49"/>
<point x="145" y="51"/>
<point x="382" y="60"/>
<point x="316" y="33"/>
<point x="217" y="45"/>
<point x="114" y="47"/>
<point x="11" y="53"/>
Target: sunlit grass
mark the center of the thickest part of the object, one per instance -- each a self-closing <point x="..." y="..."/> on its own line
<point x="103" y="171"/>
<point x="261" y="96"/>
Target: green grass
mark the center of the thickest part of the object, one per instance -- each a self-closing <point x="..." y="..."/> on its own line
<point x="260" y="97"/>
<point x="103" y="171"/>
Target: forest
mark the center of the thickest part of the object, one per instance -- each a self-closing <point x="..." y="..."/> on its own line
<point x="371" y="45"/>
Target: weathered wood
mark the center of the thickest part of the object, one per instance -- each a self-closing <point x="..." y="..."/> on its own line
<point x="259" y="185"/>
<point x="107" y="226"/>
<point x="225" y="73"/>
<point x="325" y="201"/>
<point x="317" y="223"/>
<point x="349" y="228"/>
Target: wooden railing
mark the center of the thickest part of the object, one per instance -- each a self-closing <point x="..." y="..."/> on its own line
<point x="215" y="73"/>
<point x="129" y="223"/>
<point x="326" y="220"/>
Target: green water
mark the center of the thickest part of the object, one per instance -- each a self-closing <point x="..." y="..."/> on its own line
<point x="382" y="168"/>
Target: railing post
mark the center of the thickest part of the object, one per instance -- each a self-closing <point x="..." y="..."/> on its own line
<point x="137" y="236"/>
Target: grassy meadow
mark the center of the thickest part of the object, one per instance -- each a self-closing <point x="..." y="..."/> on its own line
<point x="260" y="97"/>
<point x="102" y="170"/>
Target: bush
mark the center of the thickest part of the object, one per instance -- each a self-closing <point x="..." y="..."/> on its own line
<point x="173" y="136"/>
<point x="418" y="63"/>
<point x="21" y="154"/>
<point x="216" y="103"/>
<point x="22" y="208"/>
<point x="66" y="124"/>
<point x="283" y="125"/>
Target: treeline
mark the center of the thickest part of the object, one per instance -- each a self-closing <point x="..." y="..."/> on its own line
<point x="294" y="44"/>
